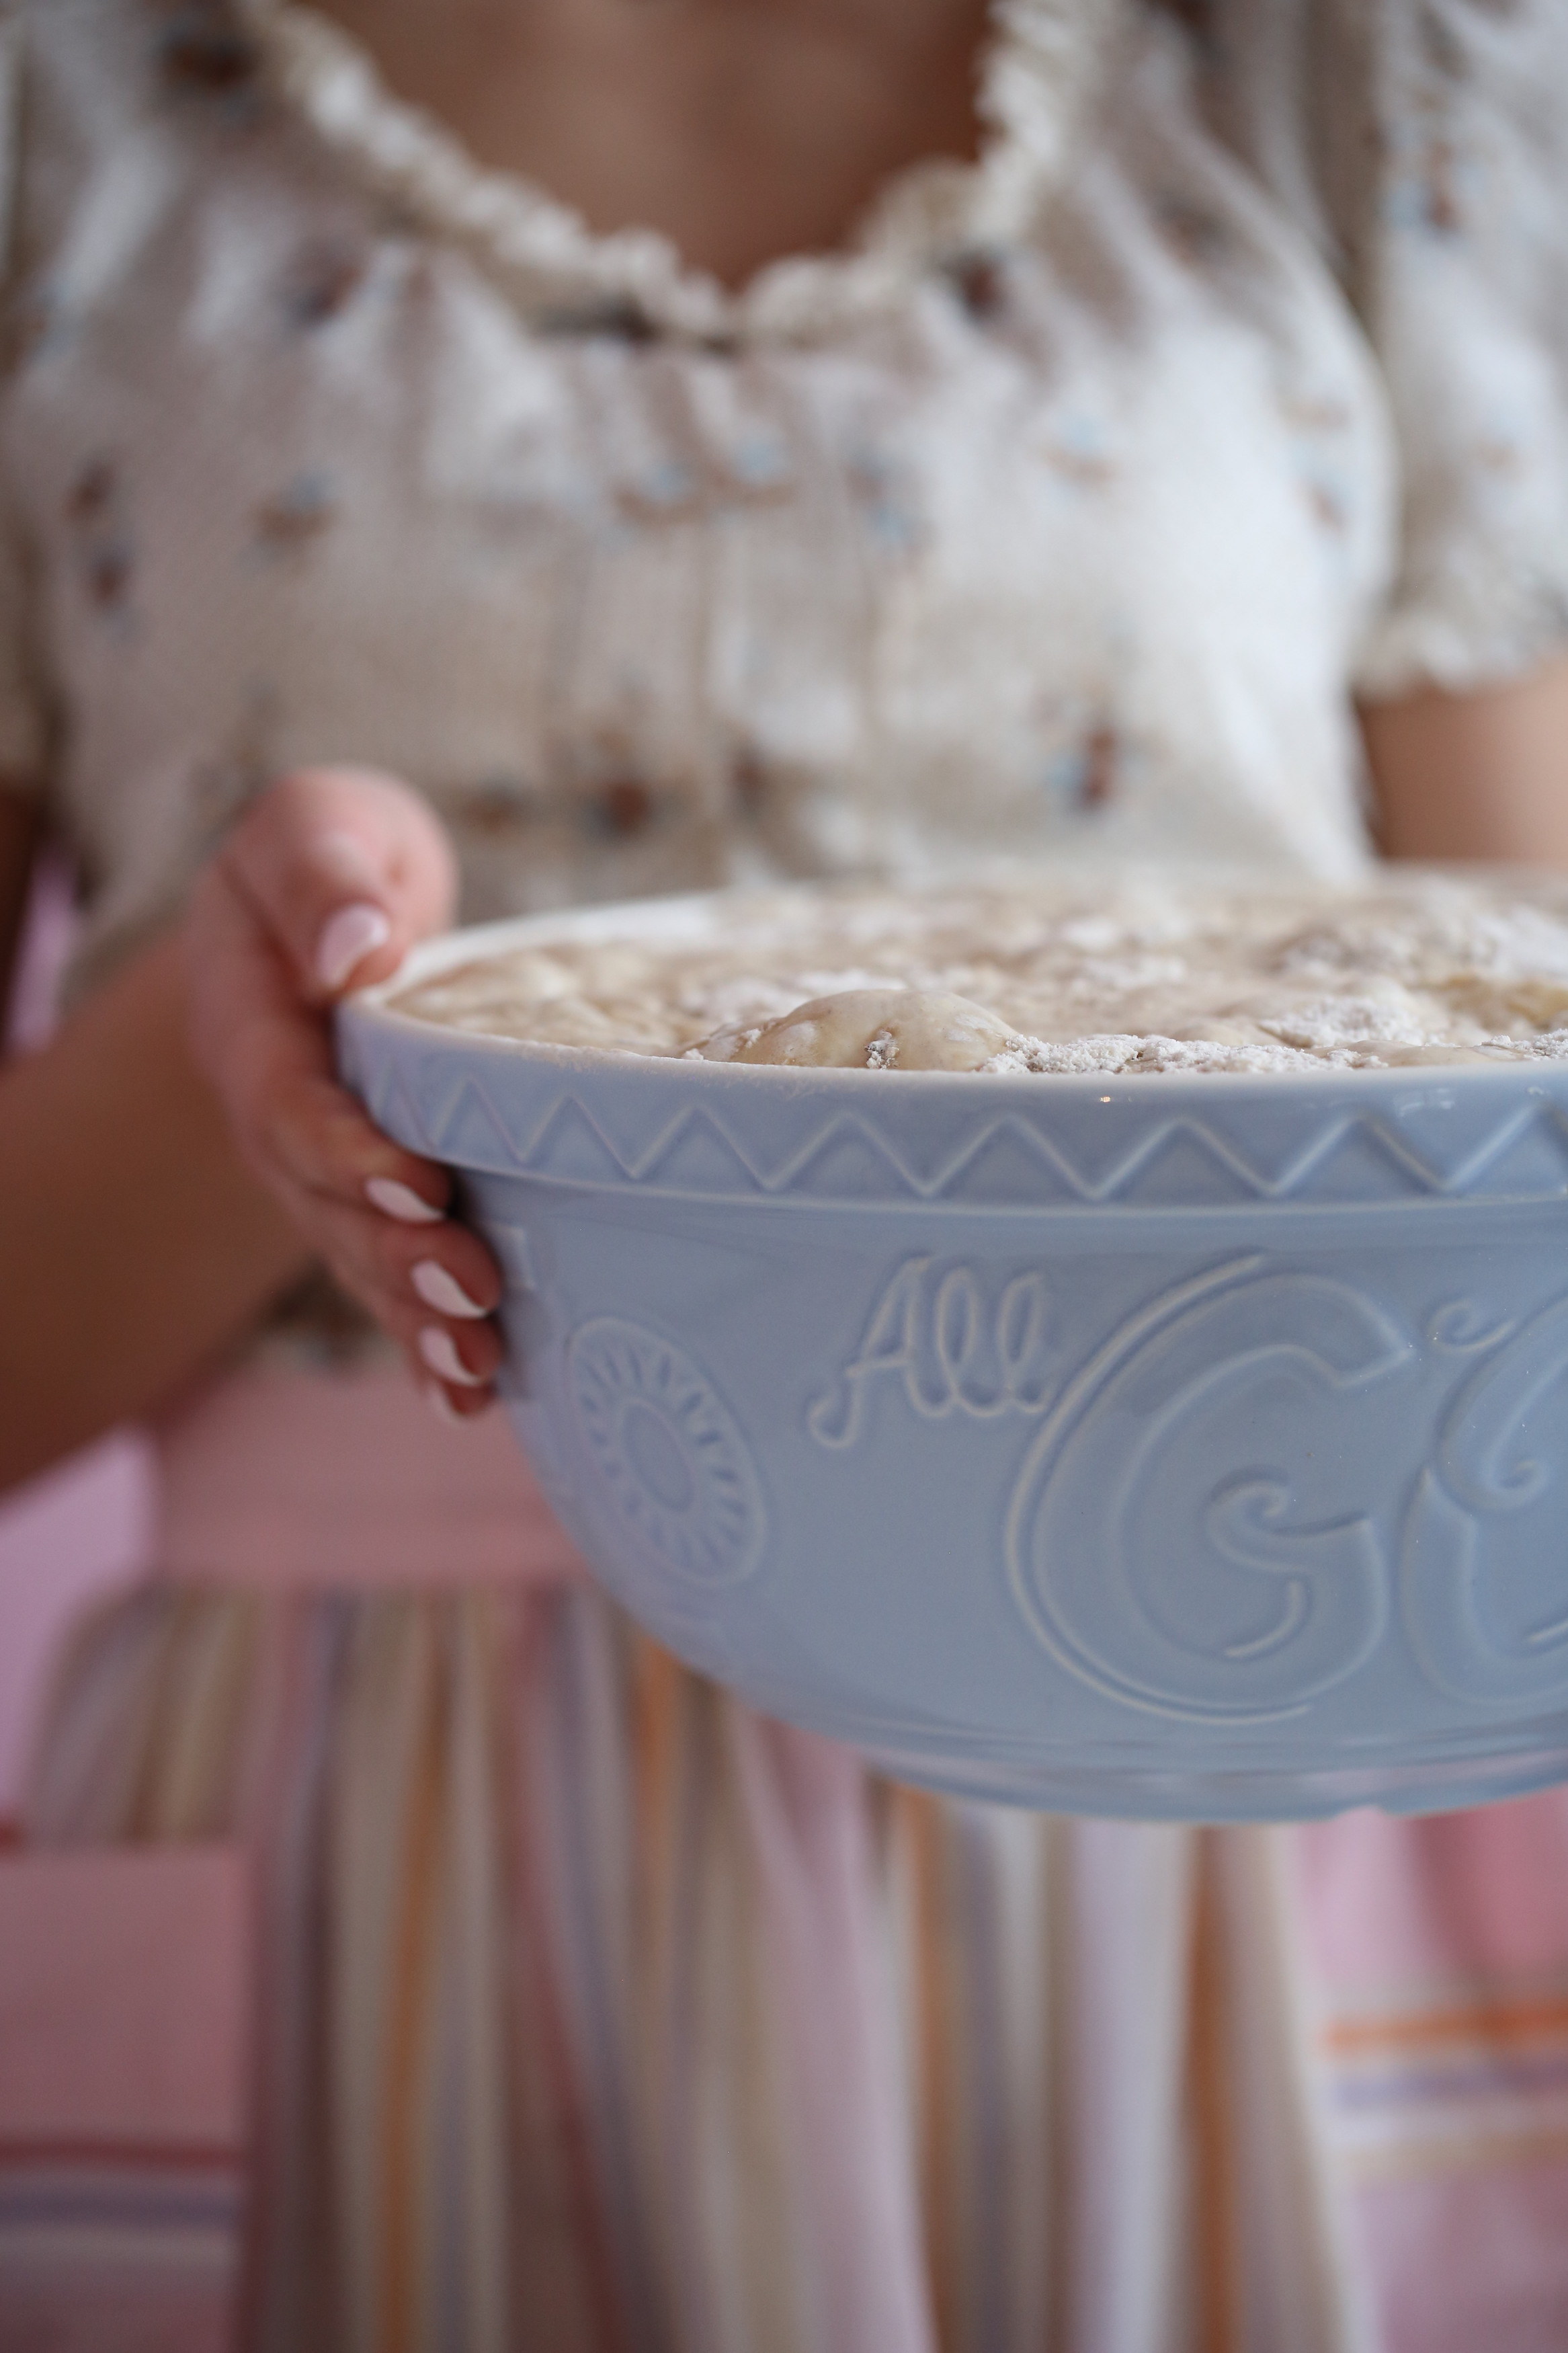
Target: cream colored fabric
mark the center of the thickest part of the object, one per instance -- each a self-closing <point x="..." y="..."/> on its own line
<point x="1057" y="512"/>
<point x="1420" y="142"/>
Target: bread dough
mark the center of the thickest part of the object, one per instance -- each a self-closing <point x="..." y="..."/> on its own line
<point x="1420" y="966"/>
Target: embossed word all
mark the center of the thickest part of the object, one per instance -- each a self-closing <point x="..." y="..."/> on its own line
<point x="951" y="1342"/>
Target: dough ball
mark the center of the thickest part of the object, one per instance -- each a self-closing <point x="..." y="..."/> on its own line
<point x="872" y="1029"/>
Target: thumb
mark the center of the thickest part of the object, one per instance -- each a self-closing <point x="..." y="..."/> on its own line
<point x="345" y="868"/>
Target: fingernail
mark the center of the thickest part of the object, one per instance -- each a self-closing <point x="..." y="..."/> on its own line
<point x="401" y="1201"/>
<point x="441" y="1404"/>
<point x="440" y="1352"/>
<point x="347" y="938"/>
<point x="442" y="1291"/>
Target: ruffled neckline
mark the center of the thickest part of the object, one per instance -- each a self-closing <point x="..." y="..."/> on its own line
<point x="1039" y="68"/>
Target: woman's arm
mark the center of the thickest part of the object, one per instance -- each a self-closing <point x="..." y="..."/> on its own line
<point x="181" y="1149"/>
<point x="133" y="1242"/>
<point x="1481" y="775"/>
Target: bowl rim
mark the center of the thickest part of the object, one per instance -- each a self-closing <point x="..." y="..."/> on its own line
<point x="657" y="916"/>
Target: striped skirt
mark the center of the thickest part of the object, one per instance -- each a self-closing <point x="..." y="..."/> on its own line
<point x="598" y="2014"/>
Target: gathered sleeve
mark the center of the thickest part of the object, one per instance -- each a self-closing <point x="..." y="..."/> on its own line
<point x="1421" y="143"/>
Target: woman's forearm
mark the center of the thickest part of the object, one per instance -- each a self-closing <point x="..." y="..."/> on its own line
<point x="133" y="1244"/>
<point x="1480" y="776"/>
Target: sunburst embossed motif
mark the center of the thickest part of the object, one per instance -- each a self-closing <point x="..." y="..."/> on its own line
<point x="675" y="1464"/>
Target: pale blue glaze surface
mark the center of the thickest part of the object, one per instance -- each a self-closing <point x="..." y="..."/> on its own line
<point x="1187" y="1447"/>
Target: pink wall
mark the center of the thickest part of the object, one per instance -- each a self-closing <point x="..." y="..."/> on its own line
<point x="82" y="1530"/>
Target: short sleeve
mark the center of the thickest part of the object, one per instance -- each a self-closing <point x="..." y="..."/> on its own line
<point x="1422" y="144"/>
<point x="24" y="710"/>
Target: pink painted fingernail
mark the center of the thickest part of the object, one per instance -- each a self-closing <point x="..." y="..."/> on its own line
<point x="440" y="1352"/>
<point x="347" y="938"/>
<point x="441" y="1404"/>
<point x="442" y="1291"/>
<point x="401" y="1201"/>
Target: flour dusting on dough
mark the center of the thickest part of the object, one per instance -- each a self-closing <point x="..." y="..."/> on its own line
<point x="1416" y="967"/>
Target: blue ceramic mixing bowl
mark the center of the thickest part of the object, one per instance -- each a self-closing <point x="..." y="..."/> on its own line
<point x="1173" y="1446"/>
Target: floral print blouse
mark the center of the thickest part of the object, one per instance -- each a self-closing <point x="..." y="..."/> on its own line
<point x="1062" y="511"/>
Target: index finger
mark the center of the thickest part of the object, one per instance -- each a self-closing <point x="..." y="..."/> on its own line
<point x="342" y="869"/>
<point x="268" y="1057"/>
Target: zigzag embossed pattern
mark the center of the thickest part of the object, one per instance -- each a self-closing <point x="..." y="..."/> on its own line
<point x="1492" y="1136"/>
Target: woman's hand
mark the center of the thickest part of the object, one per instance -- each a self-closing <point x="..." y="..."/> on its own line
<point x="323" y="885"/>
